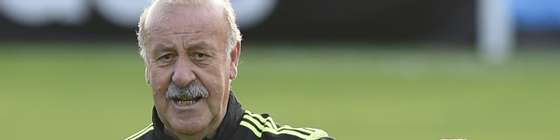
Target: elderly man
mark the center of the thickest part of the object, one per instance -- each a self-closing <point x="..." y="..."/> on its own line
<point x="191" y="52"/>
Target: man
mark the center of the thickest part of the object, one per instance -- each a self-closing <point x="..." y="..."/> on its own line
<point x="191" y="52"/>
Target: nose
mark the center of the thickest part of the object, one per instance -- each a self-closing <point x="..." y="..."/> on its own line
<point x="183" y="75"/>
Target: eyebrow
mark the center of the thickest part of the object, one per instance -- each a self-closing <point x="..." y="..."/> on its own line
<point x="203" y="47"/>
<point x="160" y="48"/>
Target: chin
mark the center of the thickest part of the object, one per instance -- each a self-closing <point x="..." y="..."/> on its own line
<point x="190" y="121"/>
<point x="190" y="126"/>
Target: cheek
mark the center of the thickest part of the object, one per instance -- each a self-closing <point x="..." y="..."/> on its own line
<point x="219" y="78"/>
<point x="160" y="79"/>
<point x="218" y="101"/>
<point x="215" y="80"/>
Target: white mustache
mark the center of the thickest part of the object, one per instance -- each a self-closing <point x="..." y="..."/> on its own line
<point x="193" y="90"/>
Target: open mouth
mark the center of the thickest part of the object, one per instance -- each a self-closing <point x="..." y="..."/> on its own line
<point x="185" y="100"/>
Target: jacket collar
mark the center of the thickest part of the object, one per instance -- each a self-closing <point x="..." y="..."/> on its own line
<point x="227" y="127"/>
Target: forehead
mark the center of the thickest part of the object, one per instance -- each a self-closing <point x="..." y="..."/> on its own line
<point x="167" y="19"/>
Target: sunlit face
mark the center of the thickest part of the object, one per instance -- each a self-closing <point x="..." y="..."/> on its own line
<point x="187" y="44"/>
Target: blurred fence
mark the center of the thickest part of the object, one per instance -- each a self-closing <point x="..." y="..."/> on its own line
<point x="260" y="19"/>
<point x="377" y="20"/>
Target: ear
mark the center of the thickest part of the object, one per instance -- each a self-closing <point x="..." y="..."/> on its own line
<point x="147" y="75"/>
<point x="147" y="71"/>
<point x="234" y="57"/>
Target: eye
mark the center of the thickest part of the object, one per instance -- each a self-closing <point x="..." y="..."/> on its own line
<point x="166" y="58"/>
<point x="200" y="56"/>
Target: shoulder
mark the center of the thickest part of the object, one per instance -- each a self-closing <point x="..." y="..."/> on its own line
<point x="264" y="127"/>
<point x="141" y="134"/>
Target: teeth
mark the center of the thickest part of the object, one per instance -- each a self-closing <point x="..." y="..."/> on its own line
<point x="186" y="98"/>
<point x="185" y="102"/>
<point x="183" y="98"/>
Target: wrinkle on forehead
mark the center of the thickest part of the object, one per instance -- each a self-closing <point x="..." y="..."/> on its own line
<point x="184" y="38"/>
<point x="187" y="32"/>
<point x="179" y="33"/>
<point x="182" y="35"/>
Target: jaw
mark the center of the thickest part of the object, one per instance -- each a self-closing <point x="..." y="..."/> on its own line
<point x="199" y="126"/>
<point x="182" y="122"/>
<point x="188" y="119"/>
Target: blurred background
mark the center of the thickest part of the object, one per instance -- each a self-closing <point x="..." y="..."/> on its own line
<point x="377" y="69"/>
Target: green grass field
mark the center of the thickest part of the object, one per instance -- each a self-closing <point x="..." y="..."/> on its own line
<point x="76" y="91"/>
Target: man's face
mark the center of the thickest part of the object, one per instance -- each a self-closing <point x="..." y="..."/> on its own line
<point x="186" y="51"/>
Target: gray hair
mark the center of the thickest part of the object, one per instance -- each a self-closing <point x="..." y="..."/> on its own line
<point x="234" y="33"/>
<point x="193" y="90"/>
